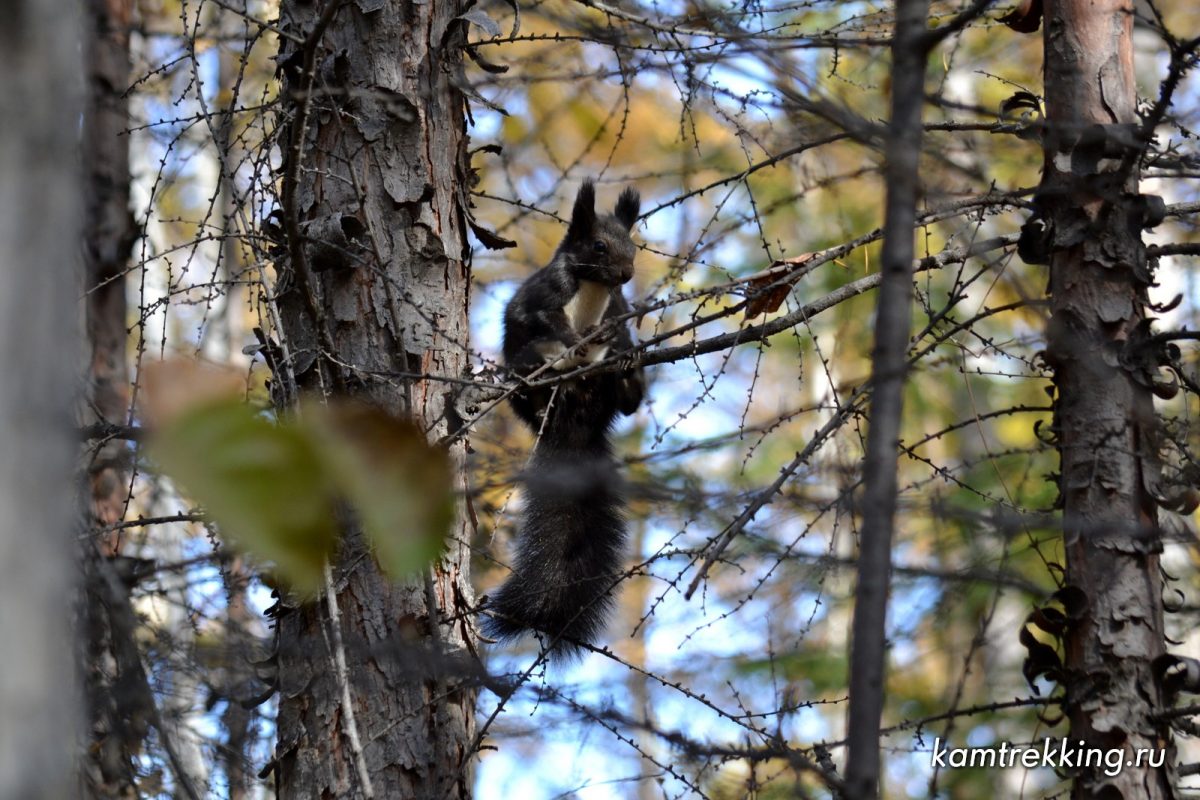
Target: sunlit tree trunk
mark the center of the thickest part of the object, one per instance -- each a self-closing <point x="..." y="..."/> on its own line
<point x="375" y="286"/>
<point x="39" y="223"/>
<point x="1105" y="418"/>
<point x="239" y="632"/>
<point x="635" y="603"/>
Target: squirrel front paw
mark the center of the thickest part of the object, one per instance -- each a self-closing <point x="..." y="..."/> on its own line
<point x="599" y="334"/>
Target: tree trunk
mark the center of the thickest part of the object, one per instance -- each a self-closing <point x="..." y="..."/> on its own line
<point x="240" y="642"/>
<point x="238" y="684"/>
<point x="109" y="232"/>
<point x="893" y="318"/>
<point x="1104" y="415"/>
<point x="39" y="222"/>
<point x="376" y="282"/>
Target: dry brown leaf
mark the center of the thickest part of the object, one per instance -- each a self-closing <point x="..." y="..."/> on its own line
<point x="175" y="386"/>
<point x="780" y="272"/>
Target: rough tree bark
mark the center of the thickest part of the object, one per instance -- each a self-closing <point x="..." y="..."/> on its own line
<point x="375" y="176"/>
<point x="39" y="220"/>
<point x="893" y="318"/>
<point x="1104" y="413"/>
<point x="108" y="234"/>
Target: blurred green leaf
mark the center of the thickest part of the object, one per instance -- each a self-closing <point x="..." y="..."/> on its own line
<point x="398" y="484"/>
<point x="274" y="489"/>
<point x="264" y="484"/>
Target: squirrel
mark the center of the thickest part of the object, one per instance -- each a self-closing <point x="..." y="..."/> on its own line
<point x="571" y="530"/>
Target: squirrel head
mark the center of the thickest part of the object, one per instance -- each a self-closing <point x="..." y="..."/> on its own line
<point x="598" y="247"/>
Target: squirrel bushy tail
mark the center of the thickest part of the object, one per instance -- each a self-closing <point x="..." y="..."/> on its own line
<point x="568" y="558"/>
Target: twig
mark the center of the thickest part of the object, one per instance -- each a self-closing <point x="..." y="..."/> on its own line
<point x="341" y="675"/>
<point x="107" y="430"/>
<point x="122" y="624"/>
<point x="761" y="499"/>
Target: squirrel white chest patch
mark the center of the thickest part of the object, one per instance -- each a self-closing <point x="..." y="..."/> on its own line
<point x="588" y="305"/>
<point x="584" y="310"/>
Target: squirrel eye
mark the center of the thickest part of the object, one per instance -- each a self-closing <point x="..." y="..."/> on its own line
<point x="600" y="246"/>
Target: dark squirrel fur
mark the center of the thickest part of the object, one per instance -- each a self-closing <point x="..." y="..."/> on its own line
<point x="572" y="530"/>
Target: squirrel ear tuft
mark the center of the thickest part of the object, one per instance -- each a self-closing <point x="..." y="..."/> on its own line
<point x="583" y="215"/>
<point x="627" y="206"/>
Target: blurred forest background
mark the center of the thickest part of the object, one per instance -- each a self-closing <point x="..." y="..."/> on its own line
<point x="754" y="132"/>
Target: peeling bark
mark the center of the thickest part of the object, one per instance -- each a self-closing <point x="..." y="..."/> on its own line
<point x="376" y="141"/>
<point x="1104" y="414"/>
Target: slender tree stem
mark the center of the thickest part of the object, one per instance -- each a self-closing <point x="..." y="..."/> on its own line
<point x="892" y="320"/>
